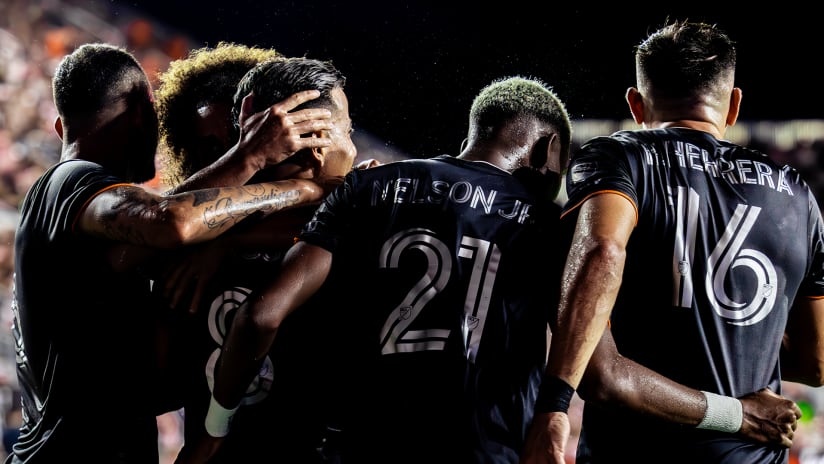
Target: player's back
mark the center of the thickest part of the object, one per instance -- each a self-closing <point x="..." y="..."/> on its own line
<point x="443" y="330"/>
<point x="81" y="343"/>
<point x="736" y="230"/>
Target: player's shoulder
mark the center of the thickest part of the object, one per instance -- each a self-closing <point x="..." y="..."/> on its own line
<point x="73" y="167"/>
<point x="392" y="168"/>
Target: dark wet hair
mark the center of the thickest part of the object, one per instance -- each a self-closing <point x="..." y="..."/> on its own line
<point x="685" y="59"/>
<point x="275" y="80"/>
<point x="88" y="78"/>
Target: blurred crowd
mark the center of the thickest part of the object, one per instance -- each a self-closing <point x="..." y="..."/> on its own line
<point x="36" y="34"/>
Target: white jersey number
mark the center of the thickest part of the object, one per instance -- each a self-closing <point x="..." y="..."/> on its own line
<point x="727" y="255"/>
<point x="396" y="337"/>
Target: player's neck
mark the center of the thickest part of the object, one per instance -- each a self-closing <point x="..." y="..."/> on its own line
<point x="702" y="126"/>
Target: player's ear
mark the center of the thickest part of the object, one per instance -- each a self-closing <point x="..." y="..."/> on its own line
<point x="735" y="106"/>
<point x="554" y="164"/>
<point x="319" y="156"/>
<point x="58" y="127"/>
<point x="318" y="153"/>
<point x="543" y="174"/>
<point x="541" y="153"/>
<point x="636" y="104"/>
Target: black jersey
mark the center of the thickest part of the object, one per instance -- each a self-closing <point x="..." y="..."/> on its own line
<point x="725" y="240"/>
<point x="83" y="333"/>
<point x="280" y="415"/>
<point x="444" y="281"/>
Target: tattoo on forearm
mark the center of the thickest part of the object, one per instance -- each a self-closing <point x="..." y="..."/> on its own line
<point x="121" y="221"/>
<point x="230" y="209"/>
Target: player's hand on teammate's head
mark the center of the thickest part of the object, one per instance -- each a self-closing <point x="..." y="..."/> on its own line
<point x="278" y="132"/>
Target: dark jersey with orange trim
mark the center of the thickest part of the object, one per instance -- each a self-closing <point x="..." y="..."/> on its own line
<point x="84" y="333"/>
<point x="445" y="283"/>
<point x="726" y="239"/>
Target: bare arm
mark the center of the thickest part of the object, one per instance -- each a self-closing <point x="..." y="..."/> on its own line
<point x="590" y="283"/>
<point x="589" y="286"/>
<point x="802" y="354"/>
<point x="266" y="138"/>
<point x="255" y="325"/>
<point x="251" y="335"/>
<point x="133" y="215"/>
<point x="615" y="380"/>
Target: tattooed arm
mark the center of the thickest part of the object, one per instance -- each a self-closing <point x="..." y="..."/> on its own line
<point x="127" y="213"/>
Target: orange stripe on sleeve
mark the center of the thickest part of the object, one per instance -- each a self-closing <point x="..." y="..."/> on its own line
<point x="599" y="192"/>
<point x="86" y="204"/>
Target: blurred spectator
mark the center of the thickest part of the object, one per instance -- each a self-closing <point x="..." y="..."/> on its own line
<point x="139" y="35"/>
<point x="9" y="398"/>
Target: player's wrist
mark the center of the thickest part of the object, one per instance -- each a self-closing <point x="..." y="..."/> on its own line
<point x="723" y="414"/>
<point x="218" y="419"/>
<point x="243" y="160"/>
<point x="554" y="395"/>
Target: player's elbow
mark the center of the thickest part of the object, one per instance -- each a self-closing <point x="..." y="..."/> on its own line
<point x="163" y="225"/>
<point x="600" y="381"/>
<point x="816" y="380"/>
<point x="263" y="317"/>
<point x="609" y="254"/>
<point x="802" y="366"/>
<point x="812" y="376"/>
<point x="189" y="228"/>
<point x="813" y="371"/>
<point x="609" y="378"/>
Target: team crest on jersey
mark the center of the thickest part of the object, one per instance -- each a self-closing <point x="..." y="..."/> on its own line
<point x="472" y="322"/>
<point x="405" y="311"/>
<point x="582" y="171"/>
<point x="683" y="267"/>
<point x="767" y="290"/>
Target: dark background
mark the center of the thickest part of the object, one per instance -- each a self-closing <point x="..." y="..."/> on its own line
<point x="413" y="67"/>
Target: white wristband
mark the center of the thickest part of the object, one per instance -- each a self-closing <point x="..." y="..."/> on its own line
<point x="724" y="413"/>
<point x="218" y="419"/>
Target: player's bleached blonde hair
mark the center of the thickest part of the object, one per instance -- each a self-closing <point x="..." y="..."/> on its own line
<point x="517" y="97"/>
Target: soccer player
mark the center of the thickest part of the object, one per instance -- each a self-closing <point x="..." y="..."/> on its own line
<point x="696" y="250"/>
<point x="281" y="416"/>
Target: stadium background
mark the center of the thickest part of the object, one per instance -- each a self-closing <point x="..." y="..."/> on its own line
<point x="413" y="68"/>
